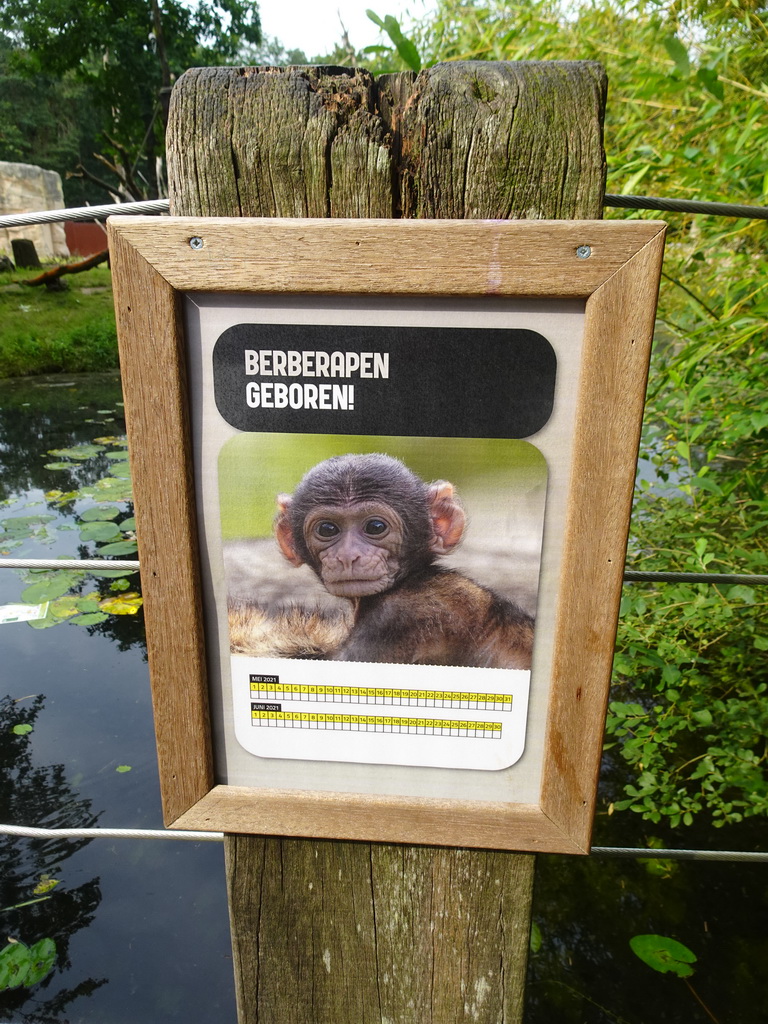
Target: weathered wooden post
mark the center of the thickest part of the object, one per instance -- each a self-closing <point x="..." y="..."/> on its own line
<point x="331" y="932"/>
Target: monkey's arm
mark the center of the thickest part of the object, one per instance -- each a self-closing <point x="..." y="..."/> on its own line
<point x="440" y="617"/>
<point x="418" y="623"/>
<point x="385" y="630"/>
<point x="369" y="641"/>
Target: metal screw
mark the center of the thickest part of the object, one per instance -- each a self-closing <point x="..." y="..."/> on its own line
<point x="196" y="242"/>
<point x="583" y="252"/>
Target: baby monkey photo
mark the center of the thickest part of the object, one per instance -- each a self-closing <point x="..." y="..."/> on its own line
<point x="373" y="534"/>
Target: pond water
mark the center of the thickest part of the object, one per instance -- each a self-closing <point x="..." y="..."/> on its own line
<point x="140" y="927"/>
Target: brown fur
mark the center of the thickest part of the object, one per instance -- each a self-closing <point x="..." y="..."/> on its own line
<point x="440" y="617"/>
<point x="286" y="633"/>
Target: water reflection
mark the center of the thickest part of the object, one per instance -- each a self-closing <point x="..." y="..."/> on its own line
<point x="39" y="414"/>
<point x="30" y="913"/>
<point x="140" y="927"/>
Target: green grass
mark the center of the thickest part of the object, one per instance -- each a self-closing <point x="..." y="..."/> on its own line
<point x="57" y="332"/>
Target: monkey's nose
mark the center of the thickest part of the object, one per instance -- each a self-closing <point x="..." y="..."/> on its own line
<point x="348" y="560"/>
<point x="347" y="555"/>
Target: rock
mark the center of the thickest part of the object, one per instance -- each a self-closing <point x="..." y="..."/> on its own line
<point x="25" y="188"/>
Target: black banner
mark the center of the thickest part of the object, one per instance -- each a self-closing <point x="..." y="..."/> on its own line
<point x="407" y="381"/>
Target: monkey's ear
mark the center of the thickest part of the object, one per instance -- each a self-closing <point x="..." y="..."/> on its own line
<point x="448" y="518"/>
<point x="284" y="531"/>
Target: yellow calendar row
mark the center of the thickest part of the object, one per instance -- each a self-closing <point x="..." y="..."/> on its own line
<point x="381" y="695"/>
<point x="376" y="723"/>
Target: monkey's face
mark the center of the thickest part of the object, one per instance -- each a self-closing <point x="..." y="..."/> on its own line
<point x="363" y="523"/>
<point x="356" y="551"/>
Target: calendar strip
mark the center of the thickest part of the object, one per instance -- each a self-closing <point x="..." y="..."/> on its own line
<point x="376" y="723"/>
<point x="262" y="689"/>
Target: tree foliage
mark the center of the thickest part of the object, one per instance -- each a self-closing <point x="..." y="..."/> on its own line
<point x="47" y="121"/>
<point x="127" y="53"/>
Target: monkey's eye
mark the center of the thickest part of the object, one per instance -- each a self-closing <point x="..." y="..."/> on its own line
<point x="375" y="527"/>
<point x="326" y="530"/>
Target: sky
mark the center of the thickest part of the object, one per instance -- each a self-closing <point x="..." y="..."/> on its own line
<point x="313" y="25"/>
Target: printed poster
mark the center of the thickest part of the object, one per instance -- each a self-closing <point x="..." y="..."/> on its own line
<point x="381" y="518"/>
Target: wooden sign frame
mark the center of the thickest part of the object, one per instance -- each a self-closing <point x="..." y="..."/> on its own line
<point x="613" y="266"/>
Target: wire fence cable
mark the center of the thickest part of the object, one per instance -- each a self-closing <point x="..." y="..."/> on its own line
<point x="83" y="213"/>
<point x="160" y="206"/>
<point x="29" y="832"/>
<point x="686" y="206"/>
<point x="630" y="575"/>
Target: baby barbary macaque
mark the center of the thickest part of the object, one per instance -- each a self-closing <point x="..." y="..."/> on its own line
<point x="372" y="530"/>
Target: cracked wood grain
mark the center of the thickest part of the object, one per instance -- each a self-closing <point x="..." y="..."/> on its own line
<point x="354" y="933"/>
<point x="278" y="142"/>
<point x="467" y="139"/>
<point x="505" y="140"/>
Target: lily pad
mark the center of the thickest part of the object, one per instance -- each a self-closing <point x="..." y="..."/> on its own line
<point x="59" y="465"/>
<point x="42" y="958"/>
<point x="64" y="607"/>
<point x="124" y="604"/>
<point x="46" y="884"/>
<point x="47" y="590"/>
<point x="71" y="605"/>
<point x="64" y="499"/>
<point x="121" y="547"/>
<point x="79" y="452"/>
<point x="112" y="574"/>
<point x="89" y="619"/>
<point x="114" y="488"/>
<point x="100" y="513"/>
<point x="663" y="954"/>
<point x="100" y="531"/>
<point x="24" y="526"/>
<point x="15" y="962"/>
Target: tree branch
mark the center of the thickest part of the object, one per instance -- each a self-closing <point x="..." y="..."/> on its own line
<point x="83" y="172"/>
<point x="125" y="171"/>
<point x="54" y="273"/>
